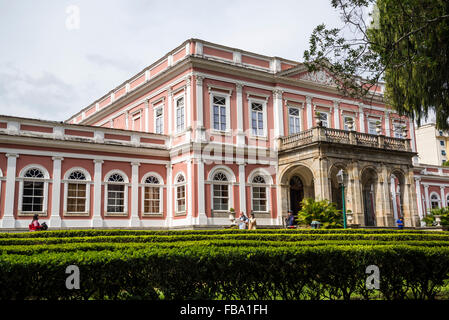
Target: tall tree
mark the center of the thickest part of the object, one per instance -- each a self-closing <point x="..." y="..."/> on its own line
<point x="402" y="42"/>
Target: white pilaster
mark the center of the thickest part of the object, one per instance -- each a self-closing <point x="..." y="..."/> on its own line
<point x="135" y="221"/>
<point x="361" y="118"/>
<point x="242" y="188"/>
<point x="336" y="115"/>
<point x="239" y="102"/>
<point x="189" y="216"/>
<point x="387" y="124"/>
<point x="147" y="115"/>
<point x="97" y="220"/>
<point x="127" y="120"/>
<point x="8" y="220"/>
<point x="55" y="218"/>
<point x="443" y="198"/>
<point x="170" y="114"/>
<point x="426" y="194"/>
<point x="202" y="218"/>
<point x="309" y="112"/>
<point x="199" y="136"/>
<point x="419" y="198"/>
<point x="188" y="108"/>
<point x="170" y="213"/>
<point x="278" y="116"/>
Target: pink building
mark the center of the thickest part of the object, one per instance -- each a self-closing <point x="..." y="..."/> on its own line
<point x="204" y="129"/>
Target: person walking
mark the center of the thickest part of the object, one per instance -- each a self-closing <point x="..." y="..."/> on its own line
<point x="252" y="225"/>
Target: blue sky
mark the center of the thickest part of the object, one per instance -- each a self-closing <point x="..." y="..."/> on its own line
<point x="49" y="71"/>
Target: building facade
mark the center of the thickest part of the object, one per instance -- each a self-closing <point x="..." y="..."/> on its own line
<point x="204" y="129"/>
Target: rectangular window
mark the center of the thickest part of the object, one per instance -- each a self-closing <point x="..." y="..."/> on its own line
<point x="33" y="196"/>
<point x="397" y="128"/>
<point x="159" y="120"/>
<point x="294" y="120"/>
<point x="259" y="199"/>
<point x="221" y="196"/>
<point x="372" y="127"/>
<point x="257" y="119"/>
<point x="181" y="199"/>
<point x="179" y="114"/>
<point x="151" y="201"/>
<point x="219" y="113"/>
<point x="76" y="197"/>
<point x="324" y="119"/>
<point x="443" y="152"/>
<point x="116" y="198"/>
<point x="442" y="142"/>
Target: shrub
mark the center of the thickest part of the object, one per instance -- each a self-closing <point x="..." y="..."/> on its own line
<point x="442" y="212"/>
<point x="323" y="211"/>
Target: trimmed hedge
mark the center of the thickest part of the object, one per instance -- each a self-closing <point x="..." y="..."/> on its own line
<point x="224" y="264"/>
<point x="195" y="272"/>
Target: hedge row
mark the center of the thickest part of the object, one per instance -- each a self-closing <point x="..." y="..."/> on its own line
<point x="114" y="246"/>
<point x="194" y="272"/>
<point x="91" y="233"/>
<point x="231" y="236"/>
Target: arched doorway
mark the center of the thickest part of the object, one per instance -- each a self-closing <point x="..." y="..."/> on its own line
<point x="296" y="194"/>
<point x="369" y="182"/>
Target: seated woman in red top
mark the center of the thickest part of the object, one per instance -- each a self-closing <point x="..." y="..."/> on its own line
<point x="35" y="225"/>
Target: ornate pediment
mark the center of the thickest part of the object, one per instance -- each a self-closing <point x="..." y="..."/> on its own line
<point x="321" y="77"/>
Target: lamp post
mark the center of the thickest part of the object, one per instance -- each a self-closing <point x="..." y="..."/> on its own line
<point x="340" y="179"/>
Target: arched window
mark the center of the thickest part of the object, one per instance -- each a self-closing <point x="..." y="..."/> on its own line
<point x="180" y="194"/>
<point x="434" y="201"/>
<point x="77" y="191"/>
<point x="152" y="194"/>
<point x="220" y="192"/>
<point x="116" y="193"/>
<point x="259" y="194"/>
<point x="33" y="190"/>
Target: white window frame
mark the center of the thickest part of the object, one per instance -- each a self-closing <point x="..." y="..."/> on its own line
<point x="176" y="99"/>
<point x="437" y="201"/>
<point x="125" y="191"/>
<point x="397" y="130"/>
<point x="137" y="115"/>
<point x="231" y="181"/>
<point x="66" y="181"/>
<point x="155" y="109"/>
<point x="372" y="121"/>
<point x="161" y="193"/>
<point x="297" y="130"/>
<point x="227" y="98"/>
<point x="177" y="185"/>
<point x="268" y="184"/>
<point x="45" y="180"/>
<point x="264" y="112"/>
<point x="325" y="123"/>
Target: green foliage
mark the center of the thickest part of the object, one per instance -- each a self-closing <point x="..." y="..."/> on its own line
<point x="224" y="264"/>
<point x="406" y="45"/>
<point x="446" y="163"/>
<point x="323" y="211"/>
<point x="444" y="217"/>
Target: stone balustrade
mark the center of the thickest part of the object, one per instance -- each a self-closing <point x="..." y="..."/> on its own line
<point x="323" y="134"/>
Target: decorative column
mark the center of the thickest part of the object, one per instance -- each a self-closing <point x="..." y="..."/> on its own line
<point x="309" y="112"/>
<point x="97" y="221"/>
<point x="202" y="218"/>
<point x="239" y="102"/>
<point x="336" y="114"/>
<point x="356" y="196"/>
<point x="127" y="120"/>
<point x="419" y="198"/>
<point x="199" y="134"/>
<point x="361" y="118"/>
<point x="242" y="187"/>
<point x="135" y="221"/>
<point x="170" y="114"/>
<point x="321" y="183"/>
<point x="8" y="220"/>
<point x="55" y="218"/>
<point x="411" y="218"/>
<point x="383" y="207"/>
